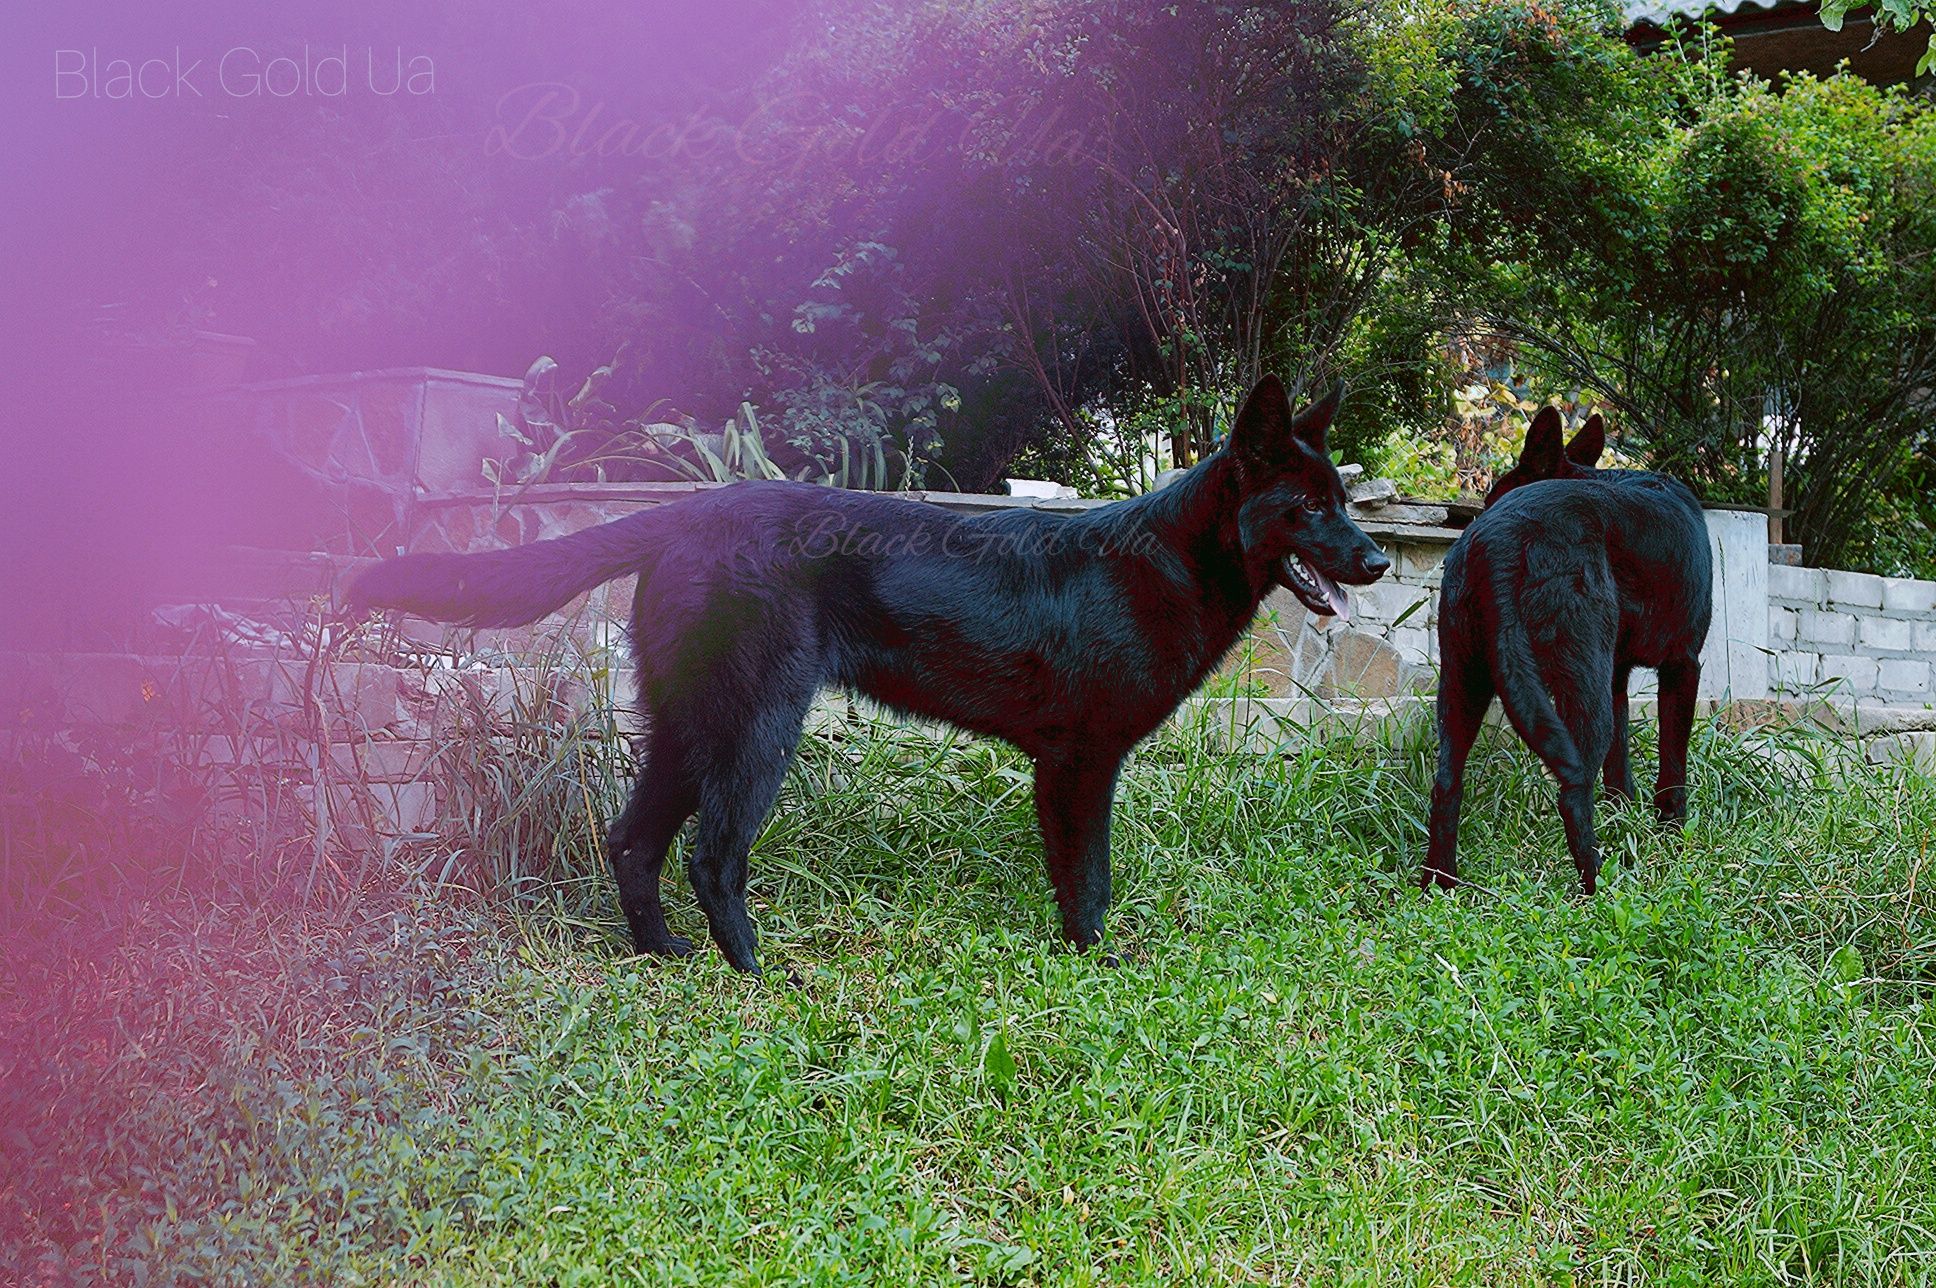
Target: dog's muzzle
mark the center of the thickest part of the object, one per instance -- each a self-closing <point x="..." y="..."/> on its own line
<point x="1318" y="592"/>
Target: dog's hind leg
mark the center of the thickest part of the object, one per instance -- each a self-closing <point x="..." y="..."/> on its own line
<point x="1680" y="683"/>
<point x="1462" y="704"/>
<point x="1619" y="774"/>
<point x="1072" y="804"/>
<point x="739" y="772"/>
<point x="662" y="800"/>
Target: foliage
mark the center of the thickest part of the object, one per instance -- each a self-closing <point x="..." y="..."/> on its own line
<point x="582" y="438"/>
<point x="1116" y="455"/>
<point x="930" y="240"/>
<point x="989" y="235"/>
<point x="1480" y="440"/>
<point x="1731" y="267"/>
<point x="1888" y="15"/>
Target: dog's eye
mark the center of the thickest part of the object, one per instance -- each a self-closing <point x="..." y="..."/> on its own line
<point x="1312" y="505"/>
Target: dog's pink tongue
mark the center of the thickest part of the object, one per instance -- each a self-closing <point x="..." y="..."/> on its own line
<point x="1333" y="592"/>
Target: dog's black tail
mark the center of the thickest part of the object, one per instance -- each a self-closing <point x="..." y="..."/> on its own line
<point x="1522" y="686"/>
<point x="509" y="587"/>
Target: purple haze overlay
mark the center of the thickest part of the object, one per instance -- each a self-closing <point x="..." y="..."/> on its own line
<point x="360" y="222"/>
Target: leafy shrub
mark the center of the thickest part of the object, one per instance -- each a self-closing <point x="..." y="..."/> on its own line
<point x="1733" y="267"/>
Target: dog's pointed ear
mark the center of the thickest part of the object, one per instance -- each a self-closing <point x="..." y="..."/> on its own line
<point x="1545" y="445"/>
<point x="1263" y="421"/>
<point x="1314" y="421"/>
<point x="1588" y="445"/>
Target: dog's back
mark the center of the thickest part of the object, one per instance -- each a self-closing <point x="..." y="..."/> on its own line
<point x="1628" y="548"/>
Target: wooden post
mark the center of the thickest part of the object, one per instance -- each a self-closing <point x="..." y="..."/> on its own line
<point x="1774" y="496"/>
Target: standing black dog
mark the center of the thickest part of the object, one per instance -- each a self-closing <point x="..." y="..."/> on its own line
<point x="1572" y="577"/>
<point x="1070" y="636"/>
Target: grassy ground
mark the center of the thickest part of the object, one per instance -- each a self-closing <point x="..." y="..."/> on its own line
<point x="1720" y="1070"/>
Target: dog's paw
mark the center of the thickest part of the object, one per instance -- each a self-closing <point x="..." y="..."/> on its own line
<point x="674" y="946"/>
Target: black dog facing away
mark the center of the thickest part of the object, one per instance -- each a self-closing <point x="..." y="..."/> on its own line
<point x="1069" y="636"/>
<point x="1570" y="578"/>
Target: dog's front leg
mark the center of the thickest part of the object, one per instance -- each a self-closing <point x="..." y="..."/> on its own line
<point x="1072" y="804"/>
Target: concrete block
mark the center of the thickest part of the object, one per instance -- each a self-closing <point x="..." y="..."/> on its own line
<point x="1890" y="634"/>
<point x="1863" y="717"/>
<point x="1907" y="675"/>
<point x="1280" y="726"/>
<point x="1854" y="589"/>
<point x="1802" y="585"/>
<point x="1782" y="625"/>
<point x="1820" y="626"/>
<point x="1917" y="750"/>
<point x="1387" y="601"/>
<point x="1857" y="674"/>
<point x="1793" y="671"/>
<point x="1902" y="595"/>
<point x="1926" y="638"/>
<point x="1415" y="644"/>
<point x="1866" y="717"/>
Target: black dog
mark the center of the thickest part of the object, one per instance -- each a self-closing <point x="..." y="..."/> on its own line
<point x="1071" y="637"/>
<point x="1553" y="595"/>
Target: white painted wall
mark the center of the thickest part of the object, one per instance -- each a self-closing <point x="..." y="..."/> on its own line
<point x="1735" y="662"/>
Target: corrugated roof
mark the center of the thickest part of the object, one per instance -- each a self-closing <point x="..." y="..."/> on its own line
<point x="1661" y="12"/>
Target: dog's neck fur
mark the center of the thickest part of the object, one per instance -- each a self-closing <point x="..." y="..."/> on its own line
<point x="1214" y="577"/>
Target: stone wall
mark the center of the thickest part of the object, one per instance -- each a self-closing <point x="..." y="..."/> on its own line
<point x="387" y="454"/>
<point x="1390" y="646"/>
<point x="1852" y="633"/>
<point x="276" y="742"/>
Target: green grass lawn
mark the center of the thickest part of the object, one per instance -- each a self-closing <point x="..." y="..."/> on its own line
<point x="1719" y="1070"/>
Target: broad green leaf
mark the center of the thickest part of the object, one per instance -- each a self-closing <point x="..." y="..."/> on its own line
<point x="997" y="1065"/>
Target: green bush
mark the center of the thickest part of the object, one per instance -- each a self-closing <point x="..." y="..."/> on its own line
<point x="1735" y="267"/>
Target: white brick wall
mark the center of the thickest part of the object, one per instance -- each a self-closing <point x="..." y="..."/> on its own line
<point x="1905" y="675"/>
<point x="1885" y="634"/>
<point x="1820" y="626"/>
<point x="1859" y="636"/>
<point x="1854" y="590"/>
<point x="1857" y="673"/>
<point x="1900" y="595"/>
<point x="1793" y="670"/>
<point x="1802" y="585"/>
